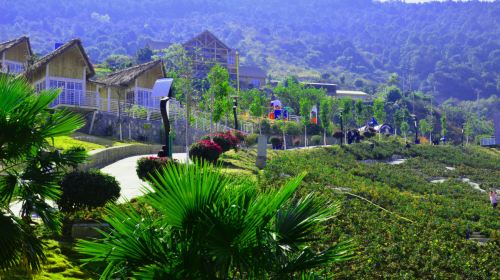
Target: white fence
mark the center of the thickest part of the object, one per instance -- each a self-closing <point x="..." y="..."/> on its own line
<point x="199" y="120"/>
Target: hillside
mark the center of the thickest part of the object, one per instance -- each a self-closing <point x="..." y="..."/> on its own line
<point x="417" y="226"/>
<point x="452" y="46"/>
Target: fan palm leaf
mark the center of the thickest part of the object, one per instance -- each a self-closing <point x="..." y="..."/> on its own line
<point x="203" y="224"/>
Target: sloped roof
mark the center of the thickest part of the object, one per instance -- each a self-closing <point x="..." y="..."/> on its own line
<point x="157" y="45"/>
<point x="12" y="43"/>
<point x="208" y="33"/>
<point x="351" y="92"/>
<point x="252" y="71"/>
<point x="61" y="50"/>
<point x="125" y="76"/>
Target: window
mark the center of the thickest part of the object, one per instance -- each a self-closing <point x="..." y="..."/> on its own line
<point x="144" y="98"/>
<point x="256" y="83"/>
<point x="39" y="86"/>
<point x="230" y="59"/>
<point x="71" y="91"/>
<point x="13" y="67"/>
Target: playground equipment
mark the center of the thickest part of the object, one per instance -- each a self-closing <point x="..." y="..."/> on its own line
<point x="277" y="111"/>
<point x="313" y="116"/>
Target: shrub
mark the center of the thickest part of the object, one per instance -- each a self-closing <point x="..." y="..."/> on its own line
<point x="205" y="150"/>
<point x="316" y="139"/>
<point x="147" y="165"/>
<point x="265" y="127"/>
<point x="231" y="136"/>
<point x="226" y="141"/>
<point x="314" y="129"/>
<point x="293" y="128"/>
<point x="368" y="134"/>
<point x="276" y="141"/>
<point x="87" y="190"/>
<point x="251" y="139"/>
<point x="239" y="135"/>
<point x="296" y="142"/>
<point x="338" y="134"/>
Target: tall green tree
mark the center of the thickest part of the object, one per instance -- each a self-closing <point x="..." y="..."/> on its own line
<point x="443" y="124"/>
<point x="218" y="77"/>
<point x="359" y="109"/>
<point x="30" y="168"/>
<point x="405" y="127"/>
<point x="202" y="224"/>
<point x="379" y="110"/>
<point x="424" y="127"/>
<point x="399" y="117"/>
<point x="179" y="65"/>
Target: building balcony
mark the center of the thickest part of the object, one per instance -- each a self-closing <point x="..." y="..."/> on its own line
<point x="77" y="99"/>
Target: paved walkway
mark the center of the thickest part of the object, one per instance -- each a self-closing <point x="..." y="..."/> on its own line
<point x="124" y="171"/>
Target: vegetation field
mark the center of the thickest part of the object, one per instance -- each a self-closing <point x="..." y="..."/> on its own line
<point x="408" y="227"/>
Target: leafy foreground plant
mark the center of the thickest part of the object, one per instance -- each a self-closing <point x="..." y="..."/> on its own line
<point x="30" y="168"/>
<point x="205" y="225"/>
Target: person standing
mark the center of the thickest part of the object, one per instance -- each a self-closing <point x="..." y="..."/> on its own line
<point x="494" y="199"/>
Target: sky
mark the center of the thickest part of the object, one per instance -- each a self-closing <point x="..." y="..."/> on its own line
<point x="423" y="1"/>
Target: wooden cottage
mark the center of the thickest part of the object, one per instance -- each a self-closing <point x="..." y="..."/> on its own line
<point x="252" y="77"/>
<point x="69" y="69"/>
<point x="206" y="50"/>
<point x="130" y="86"/>
<point x="15" y="55"/>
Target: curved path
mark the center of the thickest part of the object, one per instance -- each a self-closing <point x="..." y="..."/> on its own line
<point x="124" y="172"/>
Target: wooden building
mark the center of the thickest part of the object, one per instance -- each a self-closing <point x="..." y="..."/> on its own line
<point x="130" y="86"/>
<point x="14" y="55"/>
<point x="252" y="77"/>
<point x="206" y="50"/>
<point x="68" y="68"/>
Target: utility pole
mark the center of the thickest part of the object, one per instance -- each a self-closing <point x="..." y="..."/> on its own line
<point x="341" y="126"/>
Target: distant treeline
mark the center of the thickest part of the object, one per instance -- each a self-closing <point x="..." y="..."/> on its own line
<point x="452" y="47"/>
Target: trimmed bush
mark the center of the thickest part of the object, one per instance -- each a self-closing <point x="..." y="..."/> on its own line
<point x="226" y="141"/>
<point x="205" y="150"/>
<point x="296" y="142"/>
<point x="316" y="140"/>
<point x="239" y="135"/>
<point x="87" y="190"/>
<point x="277" y="142"/>
<point x="148" y="165"/>
<point x="251" y="139"/>
<point x="368" y="134"/>
<point x="338" y="134"/>
<point x="314" y="129"/>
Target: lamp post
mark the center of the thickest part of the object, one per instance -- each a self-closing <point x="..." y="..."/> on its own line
<point x="235" y="106"/>
<point x="341" y="125"/>
<point x="415" y="122"/>
<point x="463" y="130"/>
<point x="160" y="88"/>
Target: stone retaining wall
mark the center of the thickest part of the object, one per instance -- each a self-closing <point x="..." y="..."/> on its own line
<point x="104" y="157"/>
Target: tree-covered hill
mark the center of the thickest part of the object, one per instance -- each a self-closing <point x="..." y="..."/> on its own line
<point x="452" y="46"/>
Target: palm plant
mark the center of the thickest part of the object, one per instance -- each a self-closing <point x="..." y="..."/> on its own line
<point x="202" y="224"/>
<point x="30" y="168"/>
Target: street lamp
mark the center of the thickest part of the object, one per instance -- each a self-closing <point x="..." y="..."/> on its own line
<point x="463" y="128"/>
<point x="161" y="88"/>
<point x="341" y="110"/>
<point x="235" y="106"/>
<point x="414" y="117"/>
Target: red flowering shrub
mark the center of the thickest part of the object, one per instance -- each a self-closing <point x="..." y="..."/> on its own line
<point x="205" y="150"/>
<point x="240" y="135"/>
<point x="147" y="165"/>
<point x="224" y="140"/>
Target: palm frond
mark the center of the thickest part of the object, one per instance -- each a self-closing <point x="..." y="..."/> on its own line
<point x="297" y="223"/>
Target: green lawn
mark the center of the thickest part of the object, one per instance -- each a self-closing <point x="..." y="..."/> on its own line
<point x="95" y="143"/>
<point x="66" y="142"/>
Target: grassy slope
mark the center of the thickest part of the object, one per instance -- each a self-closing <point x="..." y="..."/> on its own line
<point x="80" y="140"/>
<point x="434" y="244"/>
<point x="61" y="264"/>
